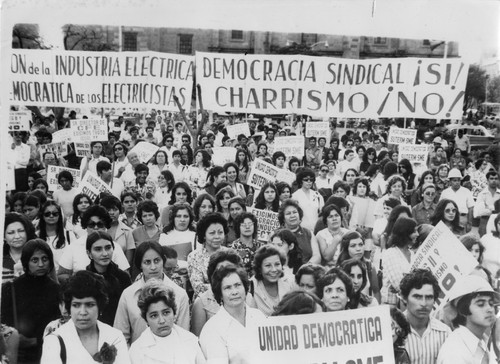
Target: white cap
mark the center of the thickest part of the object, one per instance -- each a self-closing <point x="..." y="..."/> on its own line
<point x="454" y="173"/>
<point x="470" y="284"/>
<point x="437" y="140"/>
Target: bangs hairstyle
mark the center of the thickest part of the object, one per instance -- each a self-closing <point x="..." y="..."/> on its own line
<point x="223" y="272"/>
<point x="260" y="201"/>
<point x="98" y="211"/>
<point x="84" y="284"/>
<point x="13" y="217"/>
<point x="199" y="201"/>
<point x="239" y="220"/>
<point x="155" y="291"/>
<point x="365" y="182"/>
<point x="262" y="253"/>
<point x="76" y="202"/>
<point x="331" y="276"/>
<point x="327" y="211"/>
<point x="186" y="188"/>
<point x="31" y="247"/>
<point x="60" y="241"/>
<point x="171" y="219"/>
<point x="206" y="221"/>
<point x="147" y="206"/>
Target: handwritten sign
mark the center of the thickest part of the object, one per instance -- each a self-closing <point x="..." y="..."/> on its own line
<point x="145" y="151"/>
<point x="414" y="153"/>
<point x="318" y="129"/>
<point x="19" y="120"/>
<point x="53" y="174"/>
<point x="234" y="130"/>
<point x="292" y="146"/>
<point x="82" y="149"/>
<point x="223" y="155"/>
<point x="63" y="135"/>
<point x="60" y="149"/>
<point x="402" y="136"/>
<point x="261" y="173"/>
<point x="90" y="130"/>
<point x="344" y="337"/>
<point x="92" y="185"/>
<point x="267" y="223"/>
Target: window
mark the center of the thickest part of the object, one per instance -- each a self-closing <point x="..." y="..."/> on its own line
<point x="379" y="40"/>
<point x="237" y="34"/>
<point x="427" y="42"/>
<point x="130" y="41"/>
<point x="185" y="43"/>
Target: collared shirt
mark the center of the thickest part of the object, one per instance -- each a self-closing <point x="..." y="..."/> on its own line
<point x="421" y="214"/>
<point x="425" y="349"/>
<point x="462" y="197"/>
<point x="485" y="202"/>
<point x="463" y="347"/>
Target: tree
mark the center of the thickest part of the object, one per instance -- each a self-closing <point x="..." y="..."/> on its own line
<point x="475" y="90"/>
<point x="27" y="36"/>
<point x="91" y="38"/>
<point x="494" y="89"/>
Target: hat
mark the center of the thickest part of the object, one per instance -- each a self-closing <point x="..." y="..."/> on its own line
<point x="454" y="173"/>
<point x="470" y="284"/>
<point x="437" y="140"/>
<point x="427" y="186"/>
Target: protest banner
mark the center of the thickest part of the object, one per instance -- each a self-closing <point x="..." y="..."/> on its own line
<point x="92" y="185"/>
<point x="63" y="135"/>
<point x="104" y="79"/>
<point x="318" y="129"/>
<point x="60" y="149"/>
<point x="292" y="146"/>
<point x="236" y="129"/>
<point x="445" y="256"/>
<point x="267" y="223"/>
<point x="361" y="336"/>
<point x="223" y="155"/>
<point x="414" y="153"/>
<point x="286" y="176"/>
<point x="19" y="120"/>
<point x="145" y="151"/>
<point x="401" y="136"/>
<point x="90" y="130"/>
<point x="10" y="177"/>
<point x="335" y="87"/>
<point x="82" y="149"/>
<point x="53" y="173"/>
<point x="261" y="173"/>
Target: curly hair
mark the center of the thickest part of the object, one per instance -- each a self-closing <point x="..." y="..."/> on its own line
<point x="84" y="284"/>
<point x="262" y="253"/>
<point x="416" y="280"/>
<point x="365" y="182"/>
<point x="99" y="211"/>
<point x="206" y="221"/>
<point x="206" y="157"/>
<point x="260" y="201"/>
<point x="173" y="214"/>
<point x="155" y="291"/>
<point x="392" y="181"/>
<point x="239" y="220"/>
<point x="285" y="204"/>
<point x="221" y="273"/>
<point x="403" y="323"/>
<point x="147" y="206"/>
<point x="314" y="270"/>
<point x="186" y="188"/>
<point x="331" y="276"/>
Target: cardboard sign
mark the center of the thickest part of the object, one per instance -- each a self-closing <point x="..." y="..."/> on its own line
<point x="359" y="336"/>
<point x="63" y="135"/>
<point x="261" y="173"/>
<point x="402" y="136"/>
<point x="318" y="130"/>
<point x="223" y="155"/>
<point x="90" y="130"/>
<point x="53" y="173"/>
<point x="234" y="130"/>
<point x="82" y="149"/>
<point x="286" y="176"/>
<point x="92" y="185"/>
<point x="60" y="149"/>
<point x="414" y="153"/>
<point x="333" y="87"/>
<point x="267" y="223"/>
<point x="19" y="120"/>
<point x="292" y="146"/>
<point x="10" y="177"/>
<point x="445" y="256"/>
<point x="145" y="151"/>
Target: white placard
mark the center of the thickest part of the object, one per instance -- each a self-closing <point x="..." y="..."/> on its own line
<point x="234" y="130"/>
<point x="145" y="151"/>
<point x="261" y="173"/>
<point x="414" y="153"/>
<point x="90" y="130"/>
<point x="402" y="136"/>
<point x="223" y="155"/>
<point x="92" y="185"/>
<point x="292" y="146"/>
<point x="267" y="223"/>
<point x="53" y="173"/>
<point x="19" y="120"/>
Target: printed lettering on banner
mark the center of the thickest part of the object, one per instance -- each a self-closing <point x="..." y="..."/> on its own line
<point x="261" y="173"/>
<point x="236" y="129"/>
<point x="223" y="155"/>
<point x="90" y="130"/>
<point x="101" y="79"/>
<point x="291" y="146"/>
<point x="82" y="149"/>
<point x="92" y="185"/>
<point x="53" y="173"/>
<point x="318" y="129"/>
<point x="60" y="149"/>
<point x="19" y="120"/>
<point x="332" y="87"/>
<point x="446" y="257"/>
<point x="145" y="151"/>
<point x="267" y="223"/>
<point x="63" y="135"/>
<point x="414" y="153"/>
<point x="353" y="336"/>
<point x="402" y="136"/>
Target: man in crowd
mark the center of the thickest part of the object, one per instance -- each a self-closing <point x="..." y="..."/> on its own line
<point x="142" y="186"/>
<point x="313" y="154"/>
<point x="90" y="163"/>
<point x="484" y="206"/>
<point x="462" y="141"/>
<point x="461" y="196"/>
<point x="105" y="172"/>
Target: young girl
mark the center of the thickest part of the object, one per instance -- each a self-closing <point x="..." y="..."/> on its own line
<point x="268" y="199"/>
<point x="80" y="204"/>
<point x="362" y="207"/>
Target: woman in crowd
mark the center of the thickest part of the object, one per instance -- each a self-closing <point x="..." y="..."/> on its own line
<point x="400" y="331"/>
<point x="357" y="270"/>
<point x="279" y="159"/>
<point x="330" y="237"/>
<point x="65" y="195"/>
<point x="203" y="205"/>
<point x="396" y="187"/>
<point x="80" y="204"/>
<point x="353" y="247"/>
<point x="426" y="178"/>
<point x="335" y="290"/>
<point x="181" y="193"/>
<point x="286" y="242"/>
<point x="120" y="233"/>
<point x="269" y="284"/>
<point x="441" y="181"/>
<point x="243" y="164"/>
<point x="163" y="193"/>
<point x="293" y="164"/>
<point x="396" y="260"/>
<point x="17" y="231"/>
<point x="299" y="303"/>
<point x="458" y="161"/>
<point x="225" y="338"/>
<point x="236" y="207"/>
<point x="51" y="230"/>
<point x="307" y="277"/>
<point x="211" y="231"/>
<point x="362" y="207"/>
<point x="232" y="175"/>
<point x="268" y="198"/>
<point x="149" y="260"/>
<point x="31" y="209"/>
<point x="186" y="155"/>
<point x="222" y="198"/>
<point x="179" y="233"/>
<point x="163" y="341"/>
<point x="284" y="191"/>
<point x="246" y="243"/>
<point x="406" y="171"/>
<point x="335" y="147"/>
<point x="310" y="201"/>
<point x="263" y="151"/>
<point x="205" y="306"/>
<point x="129" y="202"/>
<point x="147" y="213"/>
<point x="491" y="250"/>
<point x="120" y="161"/>
<point x="447" y="212"/>
<point x="216" y="176"/>
<point x="30" y="302"/>
<point x="438" y="158"/>
<point x="84" y="338"/>
<point x="41" y="184"/>
<point x="158" y="164"/>
<point x="18" y="202"/>
<point x="423" y="211"/>
<point x="290" y="216"/>
<point x="474" y="245"/>
<point x="198" y="171"/>
<point x="350" y="176"/>
<point x="100" y="247"/>
<point x="369" y="158"/>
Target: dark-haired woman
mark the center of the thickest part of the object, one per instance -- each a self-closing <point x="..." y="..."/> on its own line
<point x="268" y="199"/>
<point x="246" y="244"/>
<point x="369" y="158"/>
<point x="100" y="247"/>
<point x="84" y="339"/>
<point x="335" y="290"/>
<point x="163" y="193"/>
<point x="426" y="178"/>
<point x="147" y="213"/>
<point x="158" y="164"/>
<point x="310" y="201"/>
<point x="406" y="171"/>
<point x="30" y="302"/>
<point x="80" y="204"/>
<point x="286" y="242"/>
<point x="179" y="233"/>
<point x="236" y="207"/>
<point x="232" y="176"/>
<point x="243" y="163"/>
<point x="362" y="207"/>
<point x="181" y="193"/>
<point x="216" y="176"/>
<point x="356" y="269"/>
<point x="199" y="170"/>
<point x="447" y="212"/>
<point x="330" y="237"/>
<point x="400" y="331"/>
<point x="203" y="205"/>
<point x="120" y="162"/>
<point x="186" y="155"/>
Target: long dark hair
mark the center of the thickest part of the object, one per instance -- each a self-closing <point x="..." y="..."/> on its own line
<point x="358" y="297"/>
<point x="245" y="162"/>
<point x="260" y="201"/>
<point x="439" y="214"/>
<point x="76" y="201"/>
<point x="294" y="254"/>
<point x="60" y="241"/>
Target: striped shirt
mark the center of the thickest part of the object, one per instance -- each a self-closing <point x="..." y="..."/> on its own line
<point x="425" y="349"/>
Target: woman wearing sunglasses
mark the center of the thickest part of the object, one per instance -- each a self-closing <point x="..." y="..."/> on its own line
<point x="310" y="201"/>
<point x="447" y="212"/>
<point x="423" y="211"/>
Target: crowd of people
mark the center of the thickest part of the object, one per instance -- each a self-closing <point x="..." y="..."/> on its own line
<point x="169" y="266"/>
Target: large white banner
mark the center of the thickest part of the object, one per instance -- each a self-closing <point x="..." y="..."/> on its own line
<point x="402" y="136"/>
<point x="90" y="130"/>
<point x="335" y="87"/>
<point x="361" y="336"/>
<point x="104" y="79"/>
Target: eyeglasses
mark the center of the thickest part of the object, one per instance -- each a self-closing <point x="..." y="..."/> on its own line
<point x="450" y="211"/>
<point x="118" y="148"/>
<point x="94" y="224"/>
<point x="324" y="170"/>
<point x="430" y="193"/>
<point x="308" y="179"/>
<point x="247" y="224"/>
<point x="51" y="213"/>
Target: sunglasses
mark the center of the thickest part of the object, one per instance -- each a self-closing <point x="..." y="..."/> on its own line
<point x="51" y="213"/>
<point x="308" y="179"/>
<point x="93" y="225"/>
<point x="324" y="170"/>
<point x="450" y="211"/>
<point x="430" y="193"/>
